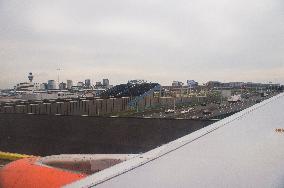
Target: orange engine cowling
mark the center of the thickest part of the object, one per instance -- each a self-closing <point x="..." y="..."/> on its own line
<point x="27" y="173"/>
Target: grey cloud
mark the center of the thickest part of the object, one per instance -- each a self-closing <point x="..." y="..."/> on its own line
<point x="156" y="40"/>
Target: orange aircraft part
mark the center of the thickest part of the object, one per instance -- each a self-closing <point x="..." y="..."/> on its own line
<point x="25" y="173"/>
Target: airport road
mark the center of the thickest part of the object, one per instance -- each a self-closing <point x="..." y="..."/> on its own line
<point x="209" y="111"/>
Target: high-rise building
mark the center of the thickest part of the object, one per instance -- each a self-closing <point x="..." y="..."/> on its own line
<point x="51" y="84"/>
<point x="31" y="77"/>
<point x="192" y="83"/>
<point x="62" y="86"/>
<point x="69" y="84"/>
<point x="28" y="86"/>
<point x="80" y="84"/>
<point x="43" y="86"/>
<point x="98" y="83"/>
<point x="177" y="83"/>
<point x="212" y="84"/>
<point x="106" y="82"/>
<point x="87" y="83"/>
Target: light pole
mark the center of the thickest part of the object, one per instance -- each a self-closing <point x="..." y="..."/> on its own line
<point x="174" y="105"/>
<point x="58" y="75"/>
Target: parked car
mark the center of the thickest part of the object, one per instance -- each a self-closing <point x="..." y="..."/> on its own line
<point x="169" y="111"/>
<point x="207" y="112"/>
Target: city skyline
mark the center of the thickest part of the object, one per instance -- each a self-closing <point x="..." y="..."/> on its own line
<point x="159" y="41"/>
<point x="93" y="82"/>
<point x="105" y="81"/>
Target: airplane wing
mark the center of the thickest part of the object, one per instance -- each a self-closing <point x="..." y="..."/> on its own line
<point x="243" y="150"/>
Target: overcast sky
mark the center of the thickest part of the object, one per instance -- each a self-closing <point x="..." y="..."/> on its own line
<point x="155" y="40"/>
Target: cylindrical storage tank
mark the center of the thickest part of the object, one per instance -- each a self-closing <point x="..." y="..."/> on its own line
<point x="21" y="109"/>
<point x="9" y="109"/>
<point x="99" y="106"/>
<point x="59" y="108"/>
<point x="110" y="105"/>
<point x="46" y="108"/>
<point x="73" y="107"/>
<point x="53" y="108"/>
<point x="92" y="108"/>
<point x="125" y="102"/>
<point x="117" y="105"/>
<point x="68" y="107"/>
<point x="33" y="109"/>
<point x="85" y="107"/>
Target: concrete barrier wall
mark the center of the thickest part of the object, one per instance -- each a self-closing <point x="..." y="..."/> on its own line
<point x="48" y="135"/>
<point x="151" y="101"/>
<point x="95" y="107"/>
